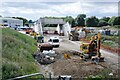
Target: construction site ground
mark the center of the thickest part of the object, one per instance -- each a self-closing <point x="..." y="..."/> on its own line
<point x="74" y="66"/>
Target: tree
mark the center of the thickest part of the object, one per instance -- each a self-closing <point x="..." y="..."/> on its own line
<point x="114" y="21"/>
<point x="102" y="23"/>
<point x="70" y="20"/>
<point x="73" y="23"/>
<point x="30" y="21"/>
<point x="105" y="19"/>
<point x="81" y="15"/>
<point x="80" y="21"/>
<point x="92" y="21"/>
<point x="25" y="21"/>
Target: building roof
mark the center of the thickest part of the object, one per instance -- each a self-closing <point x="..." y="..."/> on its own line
<point x="8" y="18"/>
<point x="51" y="21"/>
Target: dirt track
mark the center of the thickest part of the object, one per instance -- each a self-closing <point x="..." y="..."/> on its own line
<point x="74" y="66"/>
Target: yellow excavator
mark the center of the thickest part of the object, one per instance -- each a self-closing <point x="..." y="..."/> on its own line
<point x="91" y="50"/>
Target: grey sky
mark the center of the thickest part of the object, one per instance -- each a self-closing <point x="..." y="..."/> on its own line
<point x="34" y="10"/>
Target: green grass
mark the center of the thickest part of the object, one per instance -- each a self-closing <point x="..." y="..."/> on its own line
<point x="111" y="41"/>
<point x="111" y="38"/>
<point x="17" y="50"/>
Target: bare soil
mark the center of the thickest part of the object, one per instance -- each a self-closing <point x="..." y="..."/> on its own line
<point x="75" y="67"/>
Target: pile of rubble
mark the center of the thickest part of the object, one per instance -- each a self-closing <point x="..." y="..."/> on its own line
<point x="45" y="57"/>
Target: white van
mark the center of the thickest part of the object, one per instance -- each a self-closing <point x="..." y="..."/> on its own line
<point x="54" y="41"/>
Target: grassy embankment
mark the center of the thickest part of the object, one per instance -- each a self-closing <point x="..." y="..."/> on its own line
<point x="17" y="50"/>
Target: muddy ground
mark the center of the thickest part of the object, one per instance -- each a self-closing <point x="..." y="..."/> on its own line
<point x="78" y="68"/>
<point x="75" y="67"/>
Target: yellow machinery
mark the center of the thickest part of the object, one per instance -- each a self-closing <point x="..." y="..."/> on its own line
<point x="33" y="33"/>
<point x="92" y="48"/>
<point x="39" y="38"/>
<point x="84" y="47"/>
<point x="67" y="56"/>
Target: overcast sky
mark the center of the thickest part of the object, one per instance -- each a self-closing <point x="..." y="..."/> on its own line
<point x="35" y="10"/>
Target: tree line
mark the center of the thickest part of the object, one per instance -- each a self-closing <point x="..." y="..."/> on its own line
<point x="92" y="21"/>
<point x="82" y="20"/>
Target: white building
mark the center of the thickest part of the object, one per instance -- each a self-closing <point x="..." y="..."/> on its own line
<point x="61" y="26"/>
<point x="10" y="22"/>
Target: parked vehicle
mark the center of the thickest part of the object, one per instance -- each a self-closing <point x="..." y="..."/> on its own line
<point x="54" y="41"/>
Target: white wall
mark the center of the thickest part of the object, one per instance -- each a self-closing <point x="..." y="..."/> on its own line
<point x="38" y="28"/>
<point x="66" y="29"/>
<point x="58" y="29"/>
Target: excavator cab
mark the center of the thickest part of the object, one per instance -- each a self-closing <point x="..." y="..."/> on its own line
<point x="84" y="47"/>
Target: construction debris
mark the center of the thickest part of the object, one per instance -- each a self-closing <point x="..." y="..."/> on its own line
<point x="50" y="53"/>
<point x="44" y="59"/>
